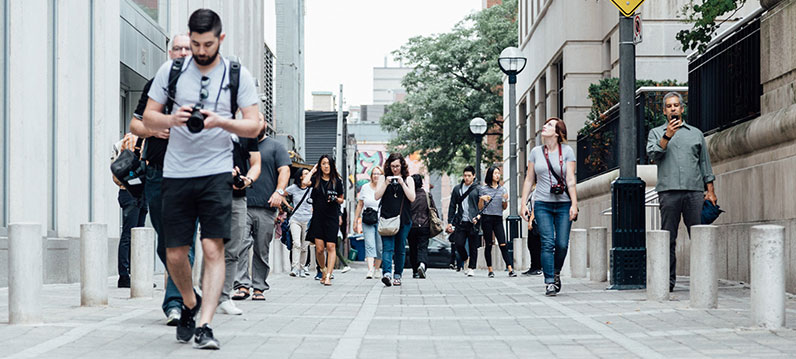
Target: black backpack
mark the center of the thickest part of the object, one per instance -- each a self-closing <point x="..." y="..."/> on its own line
<point x="234" y="82"/>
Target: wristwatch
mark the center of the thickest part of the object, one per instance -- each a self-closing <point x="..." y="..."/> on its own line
<point x="280" y="191"/>
<point x="667" y="138"/>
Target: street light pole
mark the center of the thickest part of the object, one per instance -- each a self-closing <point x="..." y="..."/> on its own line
<point x="478" y="129"/>
<point x="512" y="62"/>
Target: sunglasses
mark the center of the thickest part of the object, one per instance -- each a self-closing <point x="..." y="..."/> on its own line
<point x="203" y="93"/>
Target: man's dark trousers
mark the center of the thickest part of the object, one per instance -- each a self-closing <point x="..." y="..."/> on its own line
<point x="133" y="215"/>
<point x="673" y="205"/>
<point x="154" y="177"/>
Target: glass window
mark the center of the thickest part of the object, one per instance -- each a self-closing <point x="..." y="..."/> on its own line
<point x="150" y="7"/>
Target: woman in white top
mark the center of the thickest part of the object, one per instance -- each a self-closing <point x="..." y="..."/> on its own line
<point x="552" y="167"/>
<point x="299" y="221"/>
<point x="368" y="206"/>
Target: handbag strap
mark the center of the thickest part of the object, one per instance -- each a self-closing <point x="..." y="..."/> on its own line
<point x="306" y="192"/>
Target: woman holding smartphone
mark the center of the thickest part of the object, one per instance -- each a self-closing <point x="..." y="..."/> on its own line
<point x="396" y="193"/>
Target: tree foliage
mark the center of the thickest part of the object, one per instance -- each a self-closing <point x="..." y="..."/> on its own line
<point x="703" y="15"/>
<point x="455" y="78"/>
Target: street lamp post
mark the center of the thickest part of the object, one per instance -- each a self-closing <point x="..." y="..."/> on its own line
<point x="478" y="129"/>
<point x="512" y="62"/>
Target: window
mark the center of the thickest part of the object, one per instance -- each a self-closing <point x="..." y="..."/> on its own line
<point x="560" y="88"/>
<point x="150" y="7"/>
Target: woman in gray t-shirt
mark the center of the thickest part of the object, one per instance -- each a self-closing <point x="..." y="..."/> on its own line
<point x="495" y="198"/>
<point x="552" y="167"/>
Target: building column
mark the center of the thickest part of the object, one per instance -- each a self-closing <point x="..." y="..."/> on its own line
<point x="27" y="112"/>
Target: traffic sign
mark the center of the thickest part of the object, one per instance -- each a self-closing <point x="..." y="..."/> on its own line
<point x="637" y="29"/>
<point x="627" y="7"/>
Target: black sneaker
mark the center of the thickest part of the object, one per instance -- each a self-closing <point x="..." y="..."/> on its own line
<point x="512" y="274"/>
<point x="491" y="275"/>
<point x="557" y="282"/>
<point x="421" y="270"/>
<point x="187" y="325"/>
<point x="124" y="282"/>
<point x="204" y="339"/>
<point x="415" y="276"/>
<point x="536" y="272"/>
<point x="318" y="275"/>
<point x="387" y="279"/>
<point x="550" y="290"/>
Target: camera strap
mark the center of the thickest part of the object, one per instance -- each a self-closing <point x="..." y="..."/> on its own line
<point x="560" y="164"/>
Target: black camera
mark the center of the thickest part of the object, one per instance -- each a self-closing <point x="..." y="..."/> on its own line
<point x="558" y="189"/>
<point x="331" y="196"/>
<point x="196" y="123"/>
<point x="238" y="181"/>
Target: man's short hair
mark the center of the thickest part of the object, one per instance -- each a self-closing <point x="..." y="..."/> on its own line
<point x="470" y="169"/>
<point x="204" y="20"/>
<point x="673" y="94"/>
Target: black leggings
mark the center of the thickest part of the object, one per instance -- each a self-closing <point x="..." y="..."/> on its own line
<point x="490" y="225"/>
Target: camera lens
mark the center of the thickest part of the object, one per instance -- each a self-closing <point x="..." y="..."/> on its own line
<point x="196" y="123"/>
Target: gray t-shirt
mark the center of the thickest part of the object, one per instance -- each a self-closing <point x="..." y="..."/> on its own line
<point x="495" y="207"/>
<point x="208" y="152"/>
<point x="272" y="156"/>
<point x="304" y="212"/>
<point x="544" y="177"/>
<point x="465" y="203"/>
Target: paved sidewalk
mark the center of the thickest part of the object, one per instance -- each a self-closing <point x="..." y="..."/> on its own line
<point x="448" y="315"/>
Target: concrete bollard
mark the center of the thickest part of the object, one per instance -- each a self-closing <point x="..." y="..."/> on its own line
<point x="578" y="252"/>
<point x="93" y="264"/>
<point x="25" y="280"/>
<point x="704" y="273"/>
<point x="768" y="276"/>
<point x="142" y="262"/>
<point x="658" y="265"/>
<point x="598" y="254"/>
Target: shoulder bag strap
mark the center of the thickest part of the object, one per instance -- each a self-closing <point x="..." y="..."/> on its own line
<point x="306" y="192"/>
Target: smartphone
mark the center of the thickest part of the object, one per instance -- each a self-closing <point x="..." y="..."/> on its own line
<point x="676" y="118"/>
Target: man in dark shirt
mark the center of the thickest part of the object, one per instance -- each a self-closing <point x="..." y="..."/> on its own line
<point x="462" y="210"/>
<point x="154" y="151"/>
<point x="246" y="157"/>
<point x="263" y="198"/>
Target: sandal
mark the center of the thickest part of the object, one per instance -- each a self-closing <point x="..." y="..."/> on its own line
<point x="328" y="280"/>
<point x="258" y="295"/>
<point x="241" y="293"/>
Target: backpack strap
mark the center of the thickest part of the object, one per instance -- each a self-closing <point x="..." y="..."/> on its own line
<point x="174" y="75"/>
<point x="234" y="83"/>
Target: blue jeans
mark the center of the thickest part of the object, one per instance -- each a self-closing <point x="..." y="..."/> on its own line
<point x="154" y="177"/>
<point x="554" y="225"/>
<point x="372" y="240"/>
<point x="395" y="245"/>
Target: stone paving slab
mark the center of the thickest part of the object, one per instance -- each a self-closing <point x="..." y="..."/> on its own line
<point x="446" y="315"/>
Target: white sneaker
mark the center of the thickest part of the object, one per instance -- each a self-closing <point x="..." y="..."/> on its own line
<point x="294" y="272"/>
<point x="470" y="272"/>
<point x="345" y="269"/>
<point x="173" y="317"/>
<point x="370" y="274"/>
<point x="303" y="273"/>
<point x="228" y="307"/>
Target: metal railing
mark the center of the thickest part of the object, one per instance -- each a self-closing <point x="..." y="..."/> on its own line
<point x="724" y="81"/>
<point x="598" y="151"/>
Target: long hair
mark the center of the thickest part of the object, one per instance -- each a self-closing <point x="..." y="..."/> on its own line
<point x="333" y="175"/>
<point x="404" y="168"/>
<point x="489" y="174"/>
<point x="561" y="129"/>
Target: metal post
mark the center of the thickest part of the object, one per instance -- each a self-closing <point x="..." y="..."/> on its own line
<point x="338" y="156"/>
<point x="478" y="139"/>
<point x="513" y="219"/>
<point x="628" y="253"/>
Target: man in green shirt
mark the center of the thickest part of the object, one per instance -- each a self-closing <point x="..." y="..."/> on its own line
<point x="685" y="177"/>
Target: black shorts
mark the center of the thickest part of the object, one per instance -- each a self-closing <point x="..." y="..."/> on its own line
<point x="324" y="229"/>
<point x="208" y="199"/>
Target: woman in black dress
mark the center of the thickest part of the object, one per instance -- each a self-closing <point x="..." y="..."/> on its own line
<point x="396" y="192"/>
<point x="327" y="195"/>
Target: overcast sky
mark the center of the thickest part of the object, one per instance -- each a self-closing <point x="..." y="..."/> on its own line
<point x="345" y="39"/>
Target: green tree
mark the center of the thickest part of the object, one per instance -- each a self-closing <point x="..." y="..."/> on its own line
<point x="455" y="78"/>
<point x="703" y="15"/>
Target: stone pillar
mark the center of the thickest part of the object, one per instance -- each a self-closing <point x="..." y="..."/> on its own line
<point x="598" y="254"/>
<point x="24" y="273"/>
<point x="658" y="265"/>
<point x="704" y="274"/>
<point x="142" y="262"/>
<point x="93" y="264"/>
<point x="578" y="252"/>
<point x="767" y="267"/>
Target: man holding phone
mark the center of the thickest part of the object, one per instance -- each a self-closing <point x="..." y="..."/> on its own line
<point x="685" y="176"/>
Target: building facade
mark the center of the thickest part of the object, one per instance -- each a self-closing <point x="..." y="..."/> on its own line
<point x="72" y="73"/>
<point x="289" y="106"/>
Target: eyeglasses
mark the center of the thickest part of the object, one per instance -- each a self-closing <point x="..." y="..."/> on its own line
<point x="181" y="48"/>
<point x="203" y="93"/>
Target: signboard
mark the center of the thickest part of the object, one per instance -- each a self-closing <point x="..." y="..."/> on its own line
<point x="627" y="7"/>
<point x="636" y="29"/>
